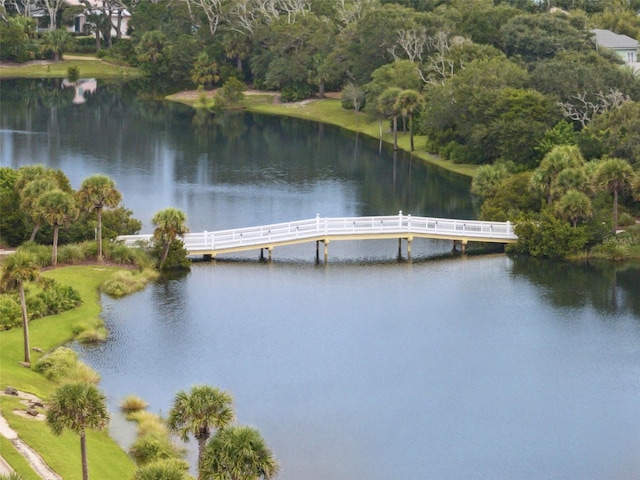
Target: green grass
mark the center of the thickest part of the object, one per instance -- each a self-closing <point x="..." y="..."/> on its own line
<point x="61" y="453"/>
<point x="89" y="68"/>
<point x="16" y="460"/>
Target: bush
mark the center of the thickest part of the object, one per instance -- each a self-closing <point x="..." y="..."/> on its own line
<point x="171" y="469"/>
<point x="71" y="254"/>
<point x="57" y="364"/>
<point x="122" y="254"/>
<point x="93" y="335"/>
<point x="126" y="282"/>
<point x="90" y="248"/>
<point x="57" y="298"/>
<point x="83" y="373"/>
<point x="10" y="312"/>
<point x="42" y="253"/>
<point x="295" y="92"/>
<point x="549" y="238"/>
<point x="132" y="403"/>
<point x="151" y="447"/>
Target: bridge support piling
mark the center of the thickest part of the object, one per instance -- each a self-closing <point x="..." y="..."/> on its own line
<point x="409" y="239"/>
<point x="317" y="251"/>
<point x="207" y="257"/>
<point x="326" y="250"/>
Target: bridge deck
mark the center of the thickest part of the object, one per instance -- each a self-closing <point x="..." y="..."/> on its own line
<point x="344" y="228"/>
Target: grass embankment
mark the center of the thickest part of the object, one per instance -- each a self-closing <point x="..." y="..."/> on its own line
<point x="330" y="111"/>
<point x="106" y="458"/>
<point x="90" y="67"/>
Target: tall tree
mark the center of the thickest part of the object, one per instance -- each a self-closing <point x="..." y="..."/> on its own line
<point x="19" y="268"/>
<point x="30" y="201"/>
<point x="239" y="453"/>
<point x="387" y="105"/>
<point x="96" y="193"/>
<point x="198" y="412"/>
<point x="574" y="206"/>
<point x="615" y="175"/>
<point x="170" y="224"/>
<point x="558" y="159"/>
<point x="408" y="103"/>
<point x="58" y="208"/>
<point x="78" y="407"/>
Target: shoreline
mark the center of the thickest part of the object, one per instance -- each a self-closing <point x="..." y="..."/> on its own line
<point x="329" y="110"/>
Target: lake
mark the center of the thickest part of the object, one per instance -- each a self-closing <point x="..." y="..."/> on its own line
<point x="447" y="367"/>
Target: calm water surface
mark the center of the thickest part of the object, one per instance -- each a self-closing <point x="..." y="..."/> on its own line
<point x="484" y="367"/>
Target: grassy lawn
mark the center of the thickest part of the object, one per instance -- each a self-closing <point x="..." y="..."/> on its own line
<point x="330" y="111"/>
<point x="16" y="460"/>
<point x="61" y="453"/>
<point x="90" y="67"/>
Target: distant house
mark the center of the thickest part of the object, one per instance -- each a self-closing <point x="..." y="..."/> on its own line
<point x="118" y="16"/>
<point x="625" y="47"/>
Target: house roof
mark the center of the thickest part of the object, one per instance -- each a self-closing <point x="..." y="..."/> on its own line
<point x="608" y="39"/>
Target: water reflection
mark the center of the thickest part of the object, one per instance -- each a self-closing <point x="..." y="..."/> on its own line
<point x="608" y="287"/>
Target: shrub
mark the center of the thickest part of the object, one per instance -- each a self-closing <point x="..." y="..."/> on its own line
<point x="90" y="248"/>
<point x="129" y="281"/>
<point x="549" y="237"/>
<point x="57" y="364"/>
<point x="171" y="469"/>
<point x="132" y="403"/>
<point x="122" y="254"/>
<point x="295" y="92"/>
<point x="148" y="423"/>
<point x="10" y="312"/>
<point x="57" y="298"/>
<point x="92" y="335"/>
<point x="71" y="254"/>
<point x="83" y="373"/>
<point x="42" y="253"/>
<point x="151" y="447"/>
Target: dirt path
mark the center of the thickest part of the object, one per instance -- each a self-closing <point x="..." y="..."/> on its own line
<point x="31" y="456"/>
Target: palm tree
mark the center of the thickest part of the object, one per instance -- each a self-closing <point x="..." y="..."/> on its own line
<point x="574" y="205"/>
<point x="487" y="179"/>
<point x="19" y="268"/>
<point x="58" y="41"/>
<point x="97" y="192"/>
<point x="559" y="158"/>
<point x="78" y="407"/>
<point x="239" y="453"/>
<point x="407" y="104"/>
<point x="387" y="106"/>
<point x="57" y="208"/>
<point x="170" y="224"/>
<point x="198" y="412"/>
<point x="30" y="198"/>
<point x="614" y="174"/>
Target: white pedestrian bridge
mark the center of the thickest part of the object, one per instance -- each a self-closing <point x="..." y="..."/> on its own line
<point x="325" y="230"/>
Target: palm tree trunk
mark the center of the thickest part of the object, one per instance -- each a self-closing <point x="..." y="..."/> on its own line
<point x="25" y="324"/>
<point x="615" y="210"/>
<point x="395" y="133"/>
<point x="411" y="131"/>
<point x="83" y="454"/>
<point x="165" y="253"/>
<point x="54" y="256"/>
<point x="202" y="443"/>
<point x="36" y="227"/>
<point x="99" y="239"/>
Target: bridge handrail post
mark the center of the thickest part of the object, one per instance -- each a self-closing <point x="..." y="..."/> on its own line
<point x="318" y="222"/>
<point x="409" y="222"/>
<point x="400" y="219"/>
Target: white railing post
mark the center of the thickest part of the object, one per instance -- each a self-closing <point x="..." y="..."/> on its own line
<point x="409" y="222"/>
<point x="400" y="219"/>
<point x="318" y="222"/>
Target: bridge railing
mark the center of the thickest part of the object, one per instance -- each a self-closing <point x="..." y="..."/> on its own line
<point x="319" y="227"/>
